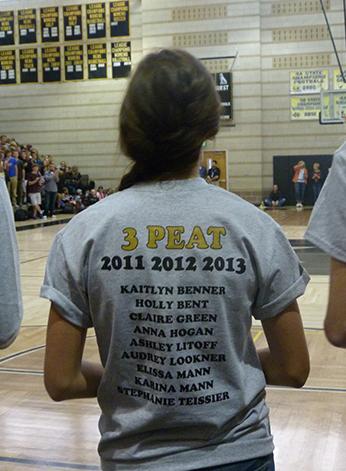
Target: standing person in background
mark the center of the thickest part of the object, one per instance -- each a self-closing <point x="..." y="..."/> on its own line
<point x="12" y="172"/>
<point x="300" y="179"/>
<point x="36" y="160"/>
<point x="20" y="189"/>
<point x="327" y="230"/>
<point x="183" y="238"/>
<point x="27" y="168"/>
<point x="11" y="308"/>
<point x="51" y="177"/>
<point x="316" y="180"/>
<point x="34" y="187"/>
<point x="62" y="176"/>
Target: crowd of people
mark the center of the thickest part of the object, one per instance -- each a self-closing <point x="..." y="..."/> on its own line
<point x="36" y="183"/>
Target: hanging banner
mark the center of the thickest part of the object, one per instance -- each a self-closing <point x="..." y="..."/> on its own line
<point x="96" y="20"/>
<point x="308" y="81"/>
<point x="74" y="62"/>
<point x="50" y="24"/>
<point x="97" y="61"/>
<point x="72" y="22"/>
<point x="27" y="26"/>
<point x="120" y="14"/>
<point x="305" y="107"/>
<point x="28" y="65"/>
<point x="224" y="88"/>
<point x="121" y="59"/>
<point x="51" y="64"/>
<point x="340" y="104"/>
<point x="338" y="82"/>
<point x="8" y="67"/>
<point x="6" y="28"/>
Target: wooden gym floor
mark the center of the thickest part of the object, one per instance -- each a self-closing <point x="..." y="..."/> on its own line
<point x="309" y="425"/>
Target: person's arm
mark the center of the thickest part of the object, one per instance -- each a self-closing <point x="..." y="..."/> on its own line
<point x="335" y="321"/>
<point x="33" y="182"/>
<point x="66" y="375"/>
<point x="11" y="308"/>
<point x="286" y="360"/>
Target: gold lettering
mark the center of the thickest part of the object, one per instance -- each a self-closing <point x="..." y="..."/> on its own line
<point x="130" y="238"/>
<point x="216" y="232"/>
<point x="197" y="239"/>
<point x="174" y="237"/>
<point x="155" y="234"/>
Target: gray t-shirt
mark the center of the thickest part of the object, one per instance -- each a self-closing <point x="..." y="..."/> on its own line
<point x="11" y="309"/>
<point x="327" y="226"/>
<point x="51" y="180"/>
<point x="170" y="274"/>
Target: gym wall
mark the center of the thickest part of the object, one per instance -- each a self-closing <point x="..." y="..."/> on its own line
<point x="77" y="122"/>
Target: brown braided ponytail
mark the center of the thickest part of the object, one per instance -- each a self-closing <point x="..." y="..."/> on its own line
<point x="171" y="107"/>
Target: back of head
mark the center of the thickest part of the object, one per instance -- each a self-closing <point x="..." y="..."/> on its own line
<point x="171" y="107"/>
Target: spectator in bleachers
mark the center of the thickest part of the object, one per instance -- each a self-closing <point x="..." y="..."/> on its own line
<point x="64" y="199"/>
<point x="62" y="177"/>
<point x="100" y="193"/>
<point x="22" y="163"/>
<point x="51" y="177"/>
<point x="91" y="197"/>
<point x="79" y="201"/>
<point x="36" y="159"/>
<point x="35" y="184"/>
<point x="72" y="179"/>
<point x="20" y="178"/>
<point x="12" y="173"/>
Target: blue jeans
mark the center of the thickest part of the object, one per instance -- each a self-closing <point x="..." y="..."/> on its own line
<point x="49" y="206"/>
<point x="266" y="463"/>
<point x="316" y="188"/>
<point x="299" y="189"/>
<point x="268" y="202"/>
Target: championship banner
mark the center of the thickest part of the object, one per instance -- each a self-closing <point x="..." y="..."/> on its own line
<point x="340" y="104"/>
<point x="338" y="82"/>
<point x="28" y="65"/>
<point x="96" y="20"/>
<point x="6" y="28"/>
<point x="72" y="22"/>
<point x="224" y="88"/>
<point x="121" y="59"/>
<point x="74" y="62"/>
<point x="120" y="18"/>
<point x="308" y="81"/>
<point x="51" y="64"/>
<point x="50" y="24"/>
<point x="8" y="67"/>
<point x="305" y="107"/>
<point x="97" y="61"/>
<point x="27" y="26"/>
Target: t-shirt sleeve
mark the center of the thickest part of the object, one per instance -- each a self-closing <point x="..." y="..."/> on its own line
<point x="327" y="226"/>
<point x="281" y="278"/>
<point x="11" y="307"/>
<point x="65" y="284"/>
